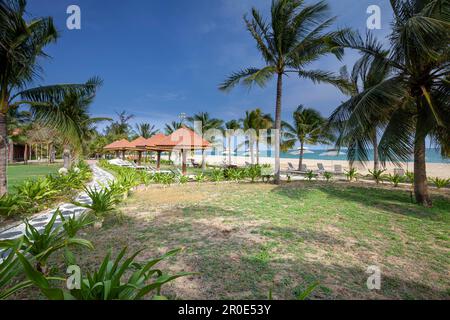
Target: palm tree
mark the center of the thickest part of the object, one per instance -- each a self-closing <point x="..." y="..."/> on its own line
<point x="415" y="97"/>
<point x="309" y="128"/>
<point x="294" y="38"/>
<point x="230" y="128"/>
<point x="22" y="43"/>
<point x="366" y="74"/>
<point x="256" y="121"/>
<point x="120" y="129"/>
<point x="79" y="126"/>
<point x="146" y="130"/>
<point x="207" y="123"/>
<point x="172" y="127"/>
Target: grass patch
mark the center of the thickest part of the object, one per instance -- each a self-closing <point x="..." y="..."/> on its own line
<point x="19" y="173"/>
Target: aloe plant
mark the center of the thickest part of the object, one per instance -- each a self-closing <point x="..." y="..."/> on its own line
<point x="110" y="281"/>
<point x="440" y="183"/>
<point x="351" y="174"/>
<point x="377" y="175"/>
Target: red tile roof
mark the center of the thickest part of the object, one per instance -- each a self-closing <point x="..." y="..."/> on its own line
<point x="155" y="140"/>
<point x="184" y="138"/>
<point x="120" y="145"/>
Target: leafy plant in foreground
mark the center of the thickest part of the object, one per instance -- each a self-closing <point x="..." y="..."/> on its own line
<point x="311" y="175"/>
<point x="111" y="281"/>
<point x="217" y="175"/>
<point x="254" y="172"/>
<point x="36" y="191"/>
<point x="328" y="176"/>
<point x="103" y="200"/>
<point x="12" y="204"/>
<point x="351" y="174"/>
<point x="72" y="225"/>
<point x="200" y="178"/>
<point x="395" y="179"/>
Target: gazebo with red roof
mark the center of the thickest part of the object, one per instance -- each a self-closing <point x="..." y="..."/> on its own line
<point x="120" y="146"/>
<point x="183" y="140"/>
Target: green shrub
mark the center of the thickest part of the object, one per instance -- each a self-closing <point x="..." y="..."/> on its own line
<point x="217" y="175"/>
<point x="200" y="178"/>
<point x="12" y="204"/>
<point x="36" y="191"/>
<point x="183" y="179"/>
<point x="328" y="176"/>
<point x="410" y="176"/>
<point x="253" y="172"/>
<point x="103" y="200"/>
<point x="111" y="280"/>
<point x="72" y="225"/>
<point x="395" y="179"/>
<point x="351" y="174"/>
<point x="440" y="183"/>
<point x="235" y="174"/>
<point x="377" y="175"/>
<point x="311" y="175"/>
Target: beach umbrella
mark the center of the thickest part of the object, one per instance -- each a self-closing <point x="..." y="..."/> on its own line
<point x="332" y="153"/>
<point x="305" y="151"/>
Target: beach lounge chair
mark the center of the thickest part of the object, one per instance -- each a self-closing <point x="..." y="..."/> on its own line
<point x="399" y="171"/>
<point x="338" y="169"/>
<point x="321" y="168"/>
<point x="292" y="169"/>
<point x="195" y="164"/>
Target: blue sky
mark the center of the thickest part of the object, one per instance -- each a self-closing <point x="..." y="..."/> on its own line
<point x="160" y="58"/>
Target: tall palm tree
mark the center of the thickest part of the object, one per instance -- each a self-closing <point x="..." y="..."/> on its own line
<point x="22" y="43"/>
<point x="79" y="126"/>
<point x="365" y="75"/>
<point x="230" y="128"/>
<point x="309" y="128"/>
<point x="172" y="127"/>
<point x="207" y="123"/>
<point x="256" y="121"/>
<point x="415" y="98"/>
<point x="294" y="38"/>
<point x="146" y="130"/>
<point x="120" y="128"/>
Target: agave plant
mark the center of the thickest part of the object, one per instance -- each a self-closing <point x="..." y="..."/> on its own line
<point x="395" y="179"/>
<point x="351" y="174"/>
<point x="41" y="245"/>
<point x="111" y="281"/>
<point x="377" y="175"/>
<point x="103" y="200"/>
<point x="12" y="204"/>
<point x="328" y="176"/>
<point x="311" y="175"/>
<point x="440" y="183"/>
<point x="36" y="191"/>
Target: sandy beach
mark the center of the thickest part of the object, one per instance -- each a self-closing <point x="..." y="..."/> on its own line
<point x="441" y="170"/>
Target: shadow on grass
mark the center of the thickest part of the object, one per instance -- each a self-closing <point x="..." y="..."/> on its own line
<point x="387" y="199"/>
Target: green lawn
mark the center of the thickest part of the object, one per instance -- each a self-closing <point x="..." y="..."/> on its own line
<point x="18" y="173"/>
<point x="247" y="239"/>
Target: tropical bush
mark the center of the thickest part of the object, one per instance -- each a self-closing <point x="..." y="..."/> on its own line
<point x="377" y="175"/>
<point x="395" y="179"/>
<point x="12" y="204"/>
<point x="351" y="174"/>
<point x="440" y="183"/>
<point x="182" y="179"/>
<point x="410" y="176"/>
<point x="41" y="245"/>
<point x="235" y="174"/>
<point x="328" y="176"/>
<point x="200" y="178"/>
<point x="311" y="175"/>
<point x="36" y="191"/>
<point x="253" y="172"/>
<point x="217" y="175"/>
<point x="110" y="281"/>
<point x="103" y="200"/>
<point x="72" y="224"/>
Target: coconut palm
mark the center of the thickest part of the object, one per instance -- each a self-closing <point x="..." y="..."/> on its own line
<point x="415" y="98"/>
<point x="146" y="130"/>
<point x="22" y="43"/>
<point x="121" y="128"/>
<point x="230" y="128"/>
<point x="206" y="123"/>
<point x="256" y="121"/>
<point x="74" y="108"/>
<point x="294" y="38"/>
<point x="360" y="141"/>
<point x="309" y="128"/>
<point x="172" y="127"/>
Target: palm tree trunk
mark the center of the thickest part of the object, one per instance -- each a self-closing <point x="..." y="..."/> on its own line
<point x="278" y="127"/>
<point x="300" y="159"/>
<point x="203" y="160"/>
<point x="420" y="171"/>
<point x="25" y="154"/>
<point x="376" y="160"/>
<point x="229" y="150"/>
<point x="11" y="151"/>
<point x="66" y="156"/>
<point x="52" y="153"/>
<point x="3" y="155"/>
<point x="257" y="151"/>
<point x="252" y="152"/>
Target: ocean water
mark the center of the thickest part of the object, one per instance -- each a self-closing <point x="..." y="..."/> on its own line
<point x="432" y="156"/>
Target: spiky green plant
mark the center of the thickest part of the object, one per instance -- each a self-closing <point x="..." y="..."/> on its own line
<point x="12" y="204"/>
<point x="328" y="176"/>
<point x="114" y="279"/>
<point x="217" y="175"/>
<point x="395" y="179"/>
<point x="254" y="172"/>
<point x="440" y="182"/>
<point x="311" y="175"/>
<point x="36" y="191"/>
<point x="72" y="224"/>
<point x="377" y="175"/>
<point x="351" y="174"/>
<point x="103" y="200"/>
